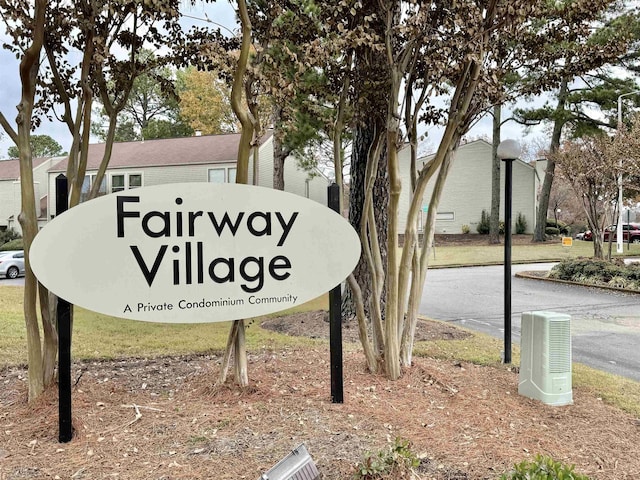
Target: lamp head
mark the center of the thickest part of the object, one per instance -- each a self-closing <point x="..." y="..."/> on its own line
<point x="509" y="149"/>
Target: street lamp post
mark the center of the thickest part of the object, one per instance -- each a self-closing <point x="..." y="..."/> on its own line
<point x="508" y="151"/>
<point x="619" y="235"/>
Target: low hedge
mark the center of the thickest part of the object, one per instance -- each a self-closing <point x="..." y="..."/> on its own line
<point x="598" y="272"/>
<point x="16" y="244"/>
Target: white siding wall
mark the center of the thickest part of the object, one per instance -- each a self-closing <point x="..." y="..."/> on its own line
<point x="299" y="182"/>
<point x="468" y="190"/>
<point x="9" y="204"/>
<point x="523" y="196"/>
<point x="265" y="165"/>
<point x="41" y="174"/>
<point x="295" y="179"/>
<point x="404" y="160"/>
<point x="10" y="196"/>
<point x="172" y="174"/>
<point x="51" y="195"/>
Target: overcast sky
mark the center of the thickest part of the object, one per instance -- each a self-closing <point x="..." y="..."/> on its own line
<point x="220" y="12"/>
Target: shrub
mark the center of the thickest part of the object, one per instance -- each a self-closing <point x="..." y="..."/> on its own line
<point x="393" y="462"/>
<point x="521" y="224"/>
<point x="633" y="271"/>
<point x="552" y="231"/>
<point x="8" y="235"/>
<point x="485" y="223"/>
<point x="560" y="225"/>
<point x="501" y="227"/>
<point x="619" y="282"/>
<point x="465" y="229"/>
<point x="543" y="468"/>
<point x="597" y="272"/>
<point x="16" y="244"/>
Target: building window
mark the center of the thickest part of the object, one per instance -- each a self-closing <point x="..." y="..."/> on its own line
<point x="222" y="175"/>
<point x="117" y="183"/>
<point x="125" y="181"/>
<point x="440" y="217"/>
<point x="448" y="216"/>
<point x="88" y="182"/>
<point x="135" y="180"/>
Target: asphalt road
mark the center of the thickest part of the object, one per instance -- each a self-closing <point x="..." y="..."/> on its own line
<point x="605" y="325"/>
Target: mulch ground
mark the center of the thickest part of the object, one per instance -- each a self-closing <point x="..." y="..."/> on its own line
<point x="163" y="418"/>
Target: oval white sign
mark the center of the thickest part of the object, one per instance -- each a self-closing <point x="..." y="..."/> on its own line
<point x="194" y="252"/>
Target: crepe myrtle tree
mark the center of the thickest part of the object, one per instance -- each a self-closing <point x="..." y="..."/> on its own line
<point x="269" y="63"/>
<point x="470" y="70"/>
<point x="592" y="166"/>
<point x="236" y="343"/>
<point x="460" y="52"/>
<point x="40" y="355"/>
<point x="105" y="36"/>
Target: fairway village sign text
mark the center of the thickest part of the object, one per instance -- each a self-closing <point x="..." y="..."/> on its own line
<point x="194" y="252"/>
<point x="156" y="224"/>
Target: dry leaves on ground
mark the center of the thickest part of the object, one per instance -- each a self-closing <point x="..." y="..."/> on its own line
<point x="163" y="418"/>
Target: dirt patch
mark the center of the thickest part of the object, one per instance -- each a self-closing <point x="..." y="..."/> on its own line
<point x="483" y="239"/>
<point x="164" y="418"/>
<point x="316" y="325"/>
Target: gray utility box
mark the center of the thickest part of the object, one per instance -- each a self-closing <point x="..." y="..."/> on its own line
<point x="545" y="358"/>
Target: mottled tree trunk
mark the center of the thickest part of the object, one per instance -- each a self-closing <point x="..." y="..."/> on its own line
<point x="362" y="141"/>
<point x="280" y="152"/>
<point x="27" y="217"/>
<point x="494" y="221"/>
<point x="236" y="341"/>
<point x="539" y="234"/>
<point x="278" y="164"/>
<point x="371" y="105"/>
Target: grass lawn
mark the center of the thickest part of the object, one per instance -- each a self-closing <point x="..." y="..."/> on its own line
<point x="101" y="336"/>
<point x="447" y="255"/>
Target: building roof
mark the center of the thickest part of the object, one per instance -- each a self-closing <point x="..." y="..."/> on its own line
<point x="10" y="169"/>
<point x="165" y="152"/>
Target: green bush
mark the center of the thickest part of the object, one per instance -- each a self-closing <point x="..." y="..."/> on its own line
<point x="485" y="223"/>
<point x="8" y="235"/>
<point x="390" y="463"/>
<point x="562" y="227"/>
<point x="543" y="468"/>
<point x="552" y="231"/>
<point x="16" y="244"/>
<point x="598" y="272"/>
<point x="521" y="224"/>
<point x="465" y="229"/>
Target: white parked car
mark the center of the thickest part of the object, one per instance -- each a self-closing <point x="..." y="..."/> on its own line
<point x="12" y="263"/>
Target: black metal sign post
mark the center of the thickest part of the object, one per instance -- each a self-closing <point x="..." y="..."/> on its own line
<point x="335" y="318"/>
<point x="64" y="337"/>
